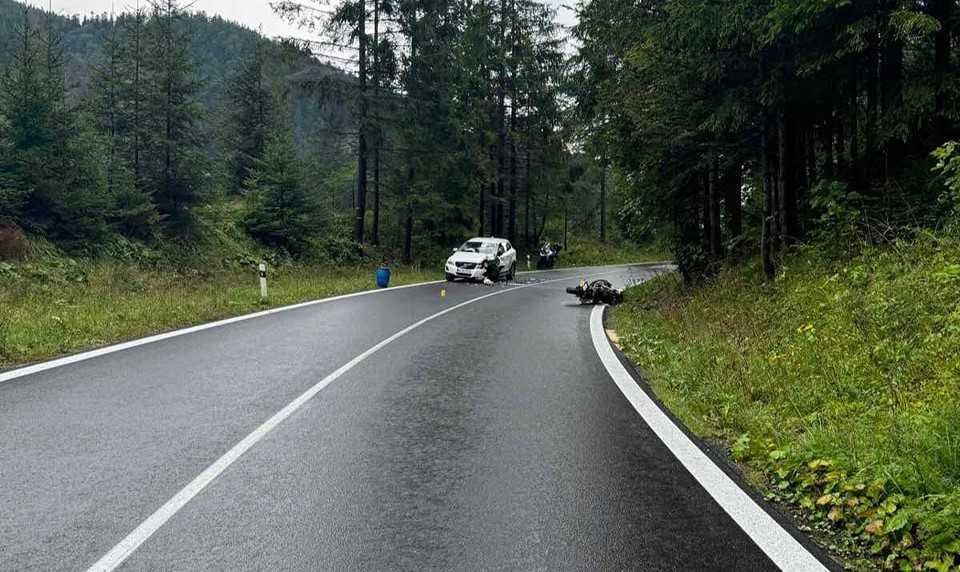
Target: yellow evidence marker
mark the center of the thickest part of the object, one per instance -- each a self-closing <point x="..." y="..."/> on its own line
<point x="443" y="292"/>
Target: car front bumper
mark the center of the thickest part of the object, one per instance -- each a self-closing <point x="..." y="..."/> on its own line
<point x="465" y="273"/>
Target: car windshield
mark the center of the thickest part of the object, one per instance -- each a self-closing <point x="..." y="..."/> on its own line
<point x="479" y="247"/>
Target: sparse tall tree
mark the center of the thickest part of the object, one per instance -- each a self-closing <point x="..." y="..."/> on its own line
<point x="174" y="158"/>
<point x="282" y="213"/>
<point x="252" y="115"/>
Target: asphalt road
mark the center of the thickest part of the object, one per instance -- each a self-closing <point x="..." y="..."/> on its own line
<point x="490" y="437"/>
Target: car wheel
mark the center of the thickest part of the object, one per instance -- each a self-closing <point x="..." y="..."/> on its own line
<point x="450" y="277"/>
<point x="513" y="271"/>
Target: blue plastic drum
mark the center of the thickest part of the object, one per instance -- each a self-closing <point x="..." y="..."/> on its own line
<point x="383" y="277"/>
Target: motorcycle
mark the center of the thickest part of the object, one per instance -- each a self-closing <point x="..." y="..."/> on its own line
<point x="549" y="254"/>
<point x="597" y="292"/>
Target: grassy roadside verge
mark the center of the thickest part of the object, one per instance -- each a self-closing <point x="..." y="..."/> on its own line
<point x="838" y="387"/>
<point x="584" y="252"/>
<point x="60" y="307"/>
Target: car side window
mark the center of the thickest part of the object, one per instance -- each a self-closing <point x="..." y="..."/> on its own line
<point x="500" y="250"/>
<point x="509" y="247"/>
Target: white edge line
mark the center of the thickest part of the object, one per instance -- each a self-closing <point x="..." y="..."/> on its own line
<point x="106" y="350"/>
<point x="60" y="362"/>
<point x="119" y="553"/>
<point x="783" y="549"/>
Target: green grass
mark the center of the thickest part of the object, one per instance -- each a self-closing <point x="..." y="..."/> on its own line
<point x="56" y="307"/>
<point x="839" y="384"/>
<point x="589" y="252"/>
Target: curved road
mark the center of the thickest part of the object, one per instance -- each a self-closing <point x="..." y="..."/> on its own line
<point x="490" y="436"/>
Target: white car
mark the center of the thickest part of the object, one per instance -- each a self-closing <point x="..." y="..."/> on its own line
<point x="470" y="260"/>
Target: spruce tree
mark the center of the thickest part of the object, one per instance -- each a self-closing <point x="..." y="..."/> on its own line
<point x="117" y="99"/>
<point x="51" y="176"/>
<point x="252" y="111"/>
<point x="172" y="161"/>
<point x="282" y="212"/>
<point x="26" y="117"/>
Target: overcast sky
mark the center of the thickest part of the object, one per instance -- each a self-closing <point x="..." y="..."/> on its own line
<point x="251" y="13"/>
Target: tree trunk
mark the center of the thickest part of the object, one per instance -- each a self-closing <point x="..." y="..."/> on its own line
<point x="766" y="227"/>
<point x="565" y="223"/>
<point x="842" y="171"/>
<point x="941" y="63"/>
<point x="706" y="232"/>
<point x="713" y="188"/>
<point x="800" y="155"/>
<point x="497" y="226"/>
<point x="891" y="81"/>
<point x="512" y="216"/>
<point x="787" y="204"/>
<point x="826" y="142"/>
<point x="361" y="209"/>
<point x="546" y="213"/>
<point x="854" y="159"/>
<point x="528" y="198"/>
<point x="871" y="154"/>
<point x="375" y="231"/>
<point x="494" y="210"/>
<point x="603" y="202"/>
<point x="481" y="208"/>
<point x="733" y="199"/>
<point x="378" y="133"/>
<point x="514" y="46"/>
<point x="408" y="217"/>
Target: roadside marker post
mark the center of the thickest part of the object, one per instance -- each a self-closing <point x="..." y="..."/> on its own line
<point x="262" y="270"/>
<point x="528" y="262"/>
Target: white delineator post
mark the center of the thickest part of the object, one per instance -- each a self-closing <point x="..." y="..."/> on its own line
<point x="528" y="262"/>
<point x="263" y="282"/>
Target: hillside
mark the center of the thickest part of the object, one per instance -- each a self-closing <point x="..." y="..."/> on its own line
<point x="218" y="47"/>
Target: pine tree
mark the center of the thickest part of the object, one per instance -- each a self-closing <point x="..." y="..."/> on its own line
<point x="133" y="88"/>
<point x="18" y="114"/>
<point x="282" y="212"/>
<point x="251" y="116"/>
<point x="173" y="155"/>
<point x="117" y="105"/>
<point x="52" y="175"/>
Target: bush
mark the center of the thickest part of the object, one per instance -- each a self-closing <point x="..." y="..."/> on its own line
<point x="13" y="242"/>
<point x="336" y="250"/>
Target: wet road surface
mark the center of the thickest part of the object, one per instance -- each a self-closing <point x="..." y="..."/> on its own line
<point x="490" y="437"/>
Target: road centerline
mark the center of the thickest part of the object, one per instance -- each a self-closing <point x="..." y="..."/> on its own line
<point x="120" y="552"/>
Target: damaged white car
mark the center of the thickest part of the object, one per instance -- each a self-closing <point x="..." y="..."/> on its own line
<point x="482" y="258"/>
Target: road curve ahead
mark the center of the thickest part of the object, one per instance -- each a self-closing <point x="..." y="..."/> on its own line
<point x="399" y="430"/>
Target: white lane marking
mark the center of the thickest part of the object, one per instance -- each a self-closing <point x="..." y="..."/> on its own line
<point x="782" y="548"/>
<point x="60" y="362"/>
<point x="116" y="556"/>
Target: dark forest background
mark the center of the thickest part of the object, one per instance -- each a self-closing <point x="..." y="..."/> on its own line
<point x="751" y="126"/>
<point x="167" y="130"/>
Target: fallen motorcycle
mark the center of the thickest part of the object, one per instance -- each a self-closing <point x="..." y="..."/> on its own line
<point x="597" y="292"/>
